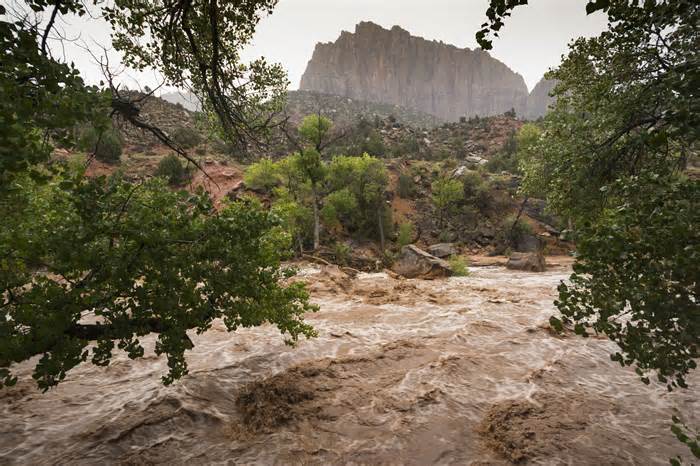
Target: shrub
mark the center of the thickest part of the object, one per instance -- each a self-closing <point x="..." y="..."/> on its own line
<point x="172" y="169"/>
<point x="106" y="145"/>
<point x="459" y="266"/>
<point x="341" y="252"/>
<point x="339" y="205"/>
<point x="187" y="137"/>
<point x="512" y="231"/>
<point x="405" y="235"/>
<point x="446" y="192"/>
<point x="407" y="186"/>
<point x="374" y="145"/>
<point x="262" y="175"/>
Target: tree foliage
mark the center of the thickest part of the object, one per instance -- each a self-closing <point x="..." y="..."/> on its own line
<point x="151" y="260"/>
<point x="445" y="193"/>
<point x="88" y="266"/>
<point x="197" y="44"/>
<point x="172" y="169"/>
<point x="611" y="157"/>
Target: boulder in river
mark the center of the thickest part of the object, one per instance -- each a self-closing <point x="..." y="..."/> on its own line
<point x="416" y="263"/>
<point x="529" y="262"/>
<point x="442" y="250"/>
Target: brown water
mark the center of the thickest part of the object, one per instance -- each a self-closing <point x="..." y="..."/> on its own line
<point x="459" y="371"/>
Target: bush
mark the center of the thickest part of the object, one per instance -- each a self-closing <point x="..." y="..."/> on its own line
<point x="405" y="235"/>
<point x="406" y="187"/>
<point x="341" y="252"/>
<point x="459" y="266"/>
<point x="106" y="145"/>
<point x="373" y="145"/>
<point x="187" y="137"/>
<point x="339" y="205"/>
<point x="262" y="176"/>
<point x="513" y="232"/>
<point x="172" y="169"/>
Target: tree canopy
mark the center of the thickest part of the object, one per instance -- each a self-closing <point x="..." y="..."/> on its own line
<point x="90" y="264"/>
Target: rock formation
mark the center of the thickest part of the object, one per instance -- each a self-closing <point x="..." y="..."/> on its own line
<point x="391" y="66"/>
<point x="416" y="263"/>
<point x="539" y="100"/>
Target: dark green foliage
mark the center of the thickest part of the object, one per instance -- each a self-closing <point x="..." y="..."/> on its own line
<point x="512" y="231"/>
<point x="405" y="234"/>
<point x="241" y="97"/>
<point x="685" y="435"/>
<point x="640" y="260"/>
<point x="187" y="137"/>
<point x="105" y="145"/>
<point x="173" y="170"/>
<point x="142" y="258"/>
<point x="446" y="192"/>
<point x="406" y="186"/>
<point x="407" y="147"/>
<point x="149" y="260"/>
<point x="611" y="160"/>
<point x="364" y="179"/>
<point x="373" y="144"/>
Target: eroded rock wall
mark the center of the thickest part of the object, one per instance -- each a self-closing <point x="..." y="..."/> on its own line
<point x="380" y="65"/>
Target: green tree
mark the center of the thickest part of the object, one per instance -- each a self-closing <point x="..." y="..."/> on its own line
<point x="315" y="131"/>
<point x="612" y="158"/>
<point x="263" y="175"/>
<point x="187" y="137"/>
<point x="366" y="178"/>
<point x="172" y="169"/>
<point x="445" y="193"/>
<point x="314" y="170"/>
<point x="150" y="260"/>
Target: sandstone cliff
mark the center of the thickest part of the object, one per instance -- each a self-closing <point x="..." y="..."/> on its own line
<point x="380" y="65"/>
<point x="539" y="100"/>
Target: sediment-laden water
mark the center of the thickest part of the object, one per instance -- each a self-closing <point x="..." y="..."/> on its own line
<point x="457" y="371"/>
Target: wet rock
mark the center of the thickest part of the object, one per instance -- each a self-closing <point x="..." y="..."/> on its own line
<point x="529" y="262"/>
<point x="416" y="263"/>
<point x="442" y="249"/>
<point x="528" y="243"/>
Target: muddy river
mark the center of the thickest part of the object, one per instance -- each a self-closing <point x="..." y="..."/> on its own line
<point x="458" y="371"/>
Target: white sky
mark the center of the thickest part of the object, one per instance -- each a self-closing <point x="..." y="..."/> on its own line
<point x="532" y="41"/>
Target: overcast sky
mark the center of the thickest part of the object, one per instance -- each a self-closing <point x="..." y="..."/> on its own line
<point x="532" y="41"/>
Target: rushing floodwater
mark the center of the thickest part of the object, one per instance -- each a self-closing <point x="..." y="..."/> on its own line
<point x="459" y="371"/>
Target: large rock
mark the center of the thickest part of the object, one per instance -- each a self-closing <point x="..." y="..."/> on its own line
<point x="392" y="66"/>
<point x="539" y="100"/>
<point x="442" y="250"/>
<point x="416" y="263"/>
<point x="528" y="262"/>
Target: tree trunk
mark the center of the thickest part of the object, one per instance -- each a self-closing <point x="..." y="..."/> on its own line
<point x="520" y="213"/>
<point x="380" y="224"/>
<point x="317" y="221"/>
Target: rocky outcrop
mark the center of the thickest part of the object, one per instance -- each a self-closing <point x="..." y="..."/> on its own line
<point x="391" y="66"/>
<point x="528" y="262"/>
<point x="539" y="100"/>
<point x="442" y="249"/>
<point x="416" y="263"/>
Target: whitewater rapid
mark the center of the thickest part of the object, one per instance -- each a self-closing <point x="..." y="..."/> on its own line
<point x="456" y="371"/>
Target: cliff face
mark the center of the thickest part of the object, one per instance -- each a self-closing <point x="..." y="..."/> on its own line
<point x="391" y="66"/>
<point x="539" y="100"/>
